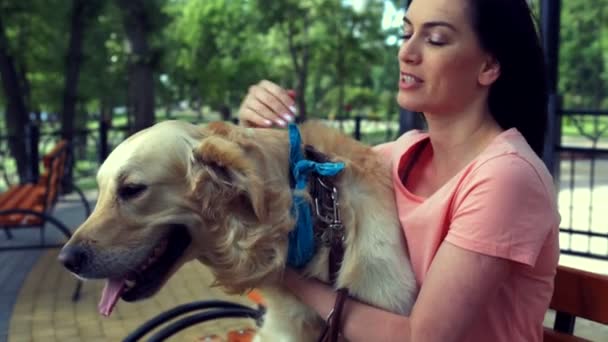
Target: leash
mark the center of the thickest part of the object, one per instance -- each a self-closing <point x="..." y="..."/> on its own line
<point x="317" y="170"/>
<point x="329" y="232"/>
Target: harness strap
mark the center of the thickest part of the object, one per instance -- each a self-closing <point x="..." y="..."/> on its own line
<point x="331" y="333"/>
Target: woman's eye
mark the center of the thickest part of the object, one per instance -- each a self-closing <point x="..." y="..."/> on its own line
<point x="405" y="36"/>
<point x="436" y="40"/>
<point x="130" y="191"/>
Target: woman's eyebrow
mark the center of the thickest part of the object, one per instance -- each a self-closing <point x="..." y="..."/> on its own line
<point x="431" y="24"/>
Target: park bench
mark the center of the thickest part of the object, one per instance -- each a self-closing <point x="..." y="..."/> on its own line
<point x="30" y="205"/>
<point x="577" y="294"/>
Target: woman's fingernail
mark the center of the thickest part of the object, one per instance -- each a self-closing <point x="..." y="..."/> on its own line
<point x="293" y="109"/>
<point x="267" y="122"/>
<point x="288" y="117"/>
<point x="280" y="122"/>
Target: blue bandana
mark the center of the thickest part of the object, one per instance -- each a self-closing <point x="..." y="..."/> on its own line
<point x="301" y="238"/>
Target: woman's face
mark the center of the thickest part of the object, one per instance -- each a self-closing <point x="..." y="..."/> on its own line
<point x="443" y="68"/>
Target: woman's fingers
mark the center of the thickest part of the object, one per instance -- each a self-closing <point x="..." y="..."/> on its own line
<point x="284" y="99"/>
<point x="267" y="104"/>
<point x="255" y="111"/>
<point x="249" y="117"/>
<point x="276" y="100"/>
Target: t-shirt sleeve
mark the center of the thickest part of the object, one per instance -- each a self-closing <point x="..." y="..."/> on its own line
<point x="504" y="210"/>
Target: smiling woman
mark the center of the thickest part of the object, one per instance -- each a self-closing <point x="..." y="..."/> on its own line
<point x="475" y="202"/>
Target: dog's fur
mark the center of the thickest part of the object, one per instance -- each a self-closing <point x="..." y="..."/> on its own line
<point x="230" y="186"/>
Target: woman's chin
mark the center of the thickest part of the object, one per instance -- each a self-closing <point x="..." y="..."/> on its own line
<point x="408" y="102"/>
<point x="412" y="107"/>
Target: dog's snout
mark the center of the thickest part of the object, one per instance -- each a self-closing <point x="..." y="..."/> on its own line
<point x="73" y="258"/>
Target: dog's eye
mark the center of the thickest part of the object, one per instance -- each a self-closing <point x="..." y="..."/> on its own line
<point x="130" y="191"/>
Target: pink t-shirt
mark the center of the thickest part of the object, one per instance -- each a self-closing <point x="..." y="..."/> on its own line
<point x="501" y="204"/>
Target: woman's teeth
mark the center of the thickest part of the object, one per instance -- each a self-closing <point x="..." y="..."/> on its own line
<point x="408" y="79"/>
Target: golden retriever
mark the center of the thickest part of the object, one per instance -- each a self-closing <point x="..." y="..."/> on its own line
<point x="221" y="194"/>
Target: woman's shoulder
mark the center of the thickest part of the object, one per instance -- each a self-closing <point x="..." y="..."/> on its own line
<point x="510" y="159"/>
<point x="402" y="143"/>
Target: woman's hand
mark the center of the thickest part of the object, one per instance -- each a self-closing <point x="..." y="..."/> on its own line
<point x="267" y="105"/>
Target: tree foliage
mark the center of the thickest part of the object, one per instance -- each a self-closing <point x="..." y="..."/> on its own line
<point x="206" y="53"/>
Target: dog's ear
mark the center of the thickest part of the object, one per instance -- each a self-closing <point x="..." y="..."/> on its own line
<point x="219" y="128"/>
<point x="224" y="174"/>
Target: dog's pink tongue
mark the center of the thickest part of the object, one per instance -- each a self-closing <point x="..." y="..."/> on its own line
<point x="109" y="296"/>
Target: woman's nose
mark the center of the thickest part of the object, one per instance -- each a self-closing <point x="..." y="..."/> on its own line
<point x="408" y="53"/>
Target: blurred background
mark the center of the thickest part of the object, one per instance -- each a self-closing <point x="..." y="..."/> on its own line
<point x="73" y="64"/>
<point x="95" y="71"/>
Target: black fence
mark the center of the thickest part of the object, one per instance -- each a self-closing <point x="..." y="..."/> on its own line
<point x="92" y="145"/>
<point x="582" y="182"/>
<point x="581" y="167"/>
<point x="89" y="147"/>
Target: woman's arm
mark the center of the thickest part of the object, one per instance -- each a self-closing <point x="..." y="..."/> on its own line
<point x="456" y="289"/>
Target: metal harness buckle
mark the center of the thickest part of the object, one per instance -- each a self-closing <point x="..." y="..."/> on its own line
<point x="328" y="214"/>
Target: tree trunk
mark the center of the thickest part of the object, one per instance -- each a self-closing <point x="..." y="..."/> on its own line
<point x="141" y="77"/>
<point x="300" y="64"/>
<point x="72" y="67"/>
<point x="16" y="115"/>
<point x="81" y="11"/>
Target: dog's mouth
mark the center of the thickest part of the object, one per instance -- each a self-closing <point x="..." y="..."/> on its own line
<point x="148" y="277"/>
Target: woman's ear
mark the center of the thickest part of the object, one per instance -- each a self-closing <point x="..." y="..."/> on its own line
<point x="490" y="72"/>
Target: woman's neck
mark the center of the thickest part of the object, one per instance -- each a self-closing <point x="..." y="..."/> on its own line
<point x="457" y="138"/>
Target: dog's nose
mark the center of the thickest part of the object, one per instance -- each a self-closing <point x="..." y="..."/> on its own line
<point x="73" y="257"/>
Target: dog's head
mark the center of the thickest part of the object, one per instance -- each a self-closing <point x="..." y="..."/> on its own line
<point x="177" y="192"/>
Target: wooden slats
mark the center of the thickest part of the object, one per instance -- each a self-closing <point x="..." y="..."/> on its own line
<point x="555" y="336"/>
<point x="580" y="294"/>
<point x="583" y="294"/>
<point x="38" y="197"/>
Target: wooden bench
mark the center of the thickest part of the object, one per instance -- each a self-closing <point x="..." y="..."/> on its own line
<point x="30" y="205"/>
<point x="577" y="294"/>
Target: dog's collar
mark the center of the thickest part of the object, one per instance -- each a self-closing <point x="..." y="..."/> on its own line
<point x="302" y="238"/>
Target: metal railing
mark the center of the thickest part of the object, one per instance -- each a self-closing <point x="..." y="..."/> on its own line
<point x="581" y="174"/>
<point x="90" y="148"/>
<point x="582" y="181"/>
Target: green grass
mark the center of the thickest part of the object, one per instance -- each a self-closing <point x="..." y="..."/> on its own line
<point x="586" y="124"/>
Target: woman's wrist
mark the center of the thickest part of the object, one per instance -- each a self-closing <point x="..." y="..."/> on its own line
<point x="311" y="292"/>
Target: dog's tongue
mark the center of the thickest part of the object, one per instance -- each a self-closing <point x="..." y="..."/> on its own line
<point x="109" y="296"/>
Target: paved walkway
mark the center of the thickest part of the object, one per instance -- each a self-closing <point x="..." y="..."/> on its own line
<point x="35" y="297"/>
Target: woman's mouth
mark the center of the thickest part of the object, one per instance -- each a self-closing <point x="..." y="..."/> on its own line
<point x="409" y="81"/>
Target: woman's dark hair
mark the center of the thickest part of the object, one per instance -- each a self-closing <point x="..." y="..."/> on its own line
<point x="518" y="98"/>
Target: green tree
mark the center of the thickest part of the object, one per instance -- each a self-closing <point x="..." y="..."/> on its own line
<point x="583" y="53"/>
<point x="16" y="111"/>
<point x="216" y="52"/>
<point x="81" y="14"/>
<point x="141" y="19"/>
<point x="30" y="71"/>
<point x="583" y="65"/>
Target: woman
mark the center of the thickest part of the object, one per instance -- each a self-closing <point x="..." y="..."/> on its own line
<point x="476" y="203"/>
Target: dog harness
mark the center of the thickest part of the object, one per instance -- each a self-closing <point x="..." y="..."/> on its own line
<point x="302" y="246"/>
<point x="328" y="229"/>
